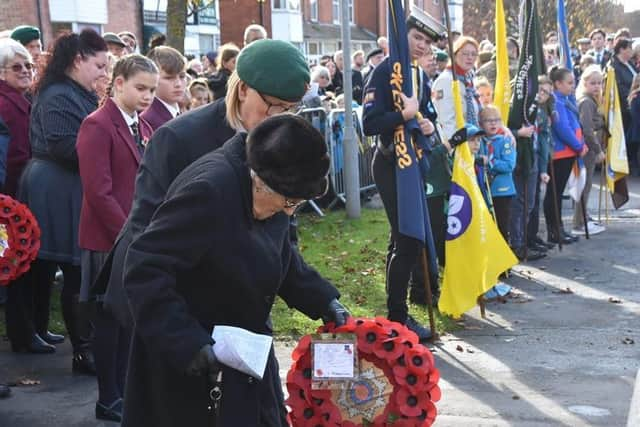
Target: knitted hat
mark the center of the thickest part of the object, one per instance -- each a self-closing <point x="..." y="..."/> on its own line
<point x="290" y="156"/>
<point x="275" y="68"/>
<point x="25" y="34"/>
<point x="442" y="56"/>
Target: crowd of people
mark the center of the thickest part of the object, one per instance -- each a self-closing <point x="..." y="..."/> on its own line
<point x="94" y="139"/>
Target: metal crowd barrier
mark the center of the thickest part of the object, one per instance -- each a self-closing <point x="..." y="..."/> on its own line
<point x="332" y="126"/>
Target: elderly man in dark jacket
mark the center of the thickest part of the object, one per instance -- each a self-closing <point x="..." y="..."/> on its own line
<point x="217" y="252"/>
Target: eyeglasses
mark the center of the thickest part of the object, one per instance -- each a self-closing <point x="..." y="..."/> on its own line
<point x="17" y="67"/>
<point x="288" y="203"/>
<point x="469" y="54"/>
<point x="545" y="92"/>
<point x="273" y="109"/>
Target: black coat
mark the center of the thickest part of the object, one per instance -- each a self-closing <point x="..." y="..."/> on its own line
<point x="171" y="149"/>
<point x="624" y="78"/>
<point x="205" y="261"/>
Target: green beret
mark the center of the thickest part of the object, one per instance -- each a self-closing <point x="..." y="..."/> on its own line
<point x="275" y="68"/>
<point x="25" y="34"/>
<point x="441" y="56"/>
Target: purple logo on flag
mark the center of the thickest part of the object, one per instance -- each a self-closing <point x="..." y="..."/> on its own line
<point x="459" y="212"/>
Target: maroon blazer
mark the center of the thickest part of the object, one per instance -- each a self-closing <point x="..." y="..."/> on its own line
<point x="156" y="114"/>
<point x="109" y="161"/>
<point x="15" y="110"/>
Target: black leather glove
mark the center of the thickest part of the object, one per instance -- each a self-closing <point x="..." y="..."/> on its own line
<point x="458" y="137"/>
<point x="336" y="313"/>
<point x="479" y="161"/>
<point x="204" y="363"/>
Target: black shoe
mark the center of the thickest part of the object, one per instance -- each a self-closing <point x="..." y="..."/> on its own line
<point x="570" y="236"/>
<point x="423" y="333"/>
<point x="532" y="254"/>
<point x="51" y="338"/>
<point x="536" y="247"/>
<point x="537" y="240"/>
<point x="109" y="413"/>
<point x="553" y="238"/>
<point x="83" y="363"/>
<point x="37" y="346"/>
<point x="5" y="391"/>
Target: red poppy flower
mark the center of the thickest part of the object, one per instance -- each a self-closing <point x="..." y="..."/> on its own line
<point x="389" y="349"/>
<point x="369" y="335"/>
<point x="409" y="377"/>
<point x="411" y="404"/>
<point x="297" y="399"/>
<point x="419" y="357"/>
<point x="303" y="347"/>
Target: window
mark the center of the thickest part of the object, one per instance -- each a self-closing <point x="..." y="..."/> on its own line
<point x="336" y="11"/>
<point x="286" y="4"/>
<point x="313" y="48"/>
<point x="207" y="16"/>
<point x="206" y="42"/>
<point x="313" y="10"/>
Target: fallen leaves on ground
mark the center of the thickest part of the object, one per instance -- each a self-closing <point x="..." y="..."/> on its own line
<point x="460" y="349"/>
<point x="615" y="300"/>
<point x="627" y="340"/>
<point x="27" y="381"/>
<point x="564" y="291"/>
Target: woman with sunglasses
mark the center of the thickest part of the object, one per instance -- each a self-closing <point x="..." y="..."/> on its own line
<point x="217" y="252"/>
<point x="27" y="307"/>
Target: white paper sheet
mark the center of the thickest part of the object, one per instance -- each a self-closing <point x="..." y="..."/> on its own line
<point x="333" y="360"/>
<point x="241" y="349"/>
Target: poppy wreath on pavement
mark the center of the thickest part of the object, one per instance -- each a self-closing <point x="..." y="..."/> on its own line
<point x="397" y="383"/>
<point x="19" y="239"/>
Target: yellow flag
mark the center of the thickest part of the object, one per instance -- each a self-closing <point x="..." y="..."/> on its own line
<point x="475" y="251"/>
<point x="502" y="90"/>
<point x="616" y="156"/>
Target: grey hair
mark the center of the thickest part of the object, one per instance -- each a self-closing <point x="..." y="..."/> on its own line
<point x="9" y="49"/>
<point x="319" y="71"/>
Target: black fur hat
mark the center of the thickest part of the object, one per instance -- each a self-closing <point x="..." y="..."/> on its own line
<point x="290" y="156"/>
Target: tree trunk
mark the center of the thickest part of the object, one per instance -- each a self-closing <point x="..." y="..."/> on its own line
<point x="176" y="22"/>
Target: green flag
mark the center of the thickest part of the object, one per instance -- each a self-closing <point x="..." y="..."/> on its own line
<point x="525" y="85"/>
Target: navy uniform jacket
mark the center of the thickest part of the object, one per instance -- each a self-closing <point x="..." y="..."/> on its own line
<point x="380" y="118"/>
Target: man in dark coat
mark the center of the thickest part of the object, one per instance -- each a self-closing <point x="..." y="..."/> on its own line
<point x="217" y="252"/>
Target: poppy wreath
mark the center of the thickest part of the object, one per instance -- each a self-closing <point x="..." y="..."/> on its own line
<point x="22" y="239"/>
<point x="398" y="387"/>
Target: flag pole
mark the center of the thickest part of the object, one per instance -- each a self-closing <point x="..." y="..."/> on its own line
<point x="556" y="210"/>
<point x="427" y="288"/>
<point x="584" y="215"/>
<point x="525" y="221"/>
<point x="602" y="169"/>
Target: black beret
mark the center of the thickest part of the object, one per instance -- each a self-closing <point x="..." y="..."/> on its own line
<point x="25" y="34"/>
<point x="275" y="68"/>
<point x="374" y="52"/>
<point x="290" y="156"/>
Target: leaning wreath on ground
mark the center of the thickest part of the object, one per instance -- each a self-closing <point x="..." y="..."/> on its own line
<point x="397" y="383"/>
<point x="19" y="239"/>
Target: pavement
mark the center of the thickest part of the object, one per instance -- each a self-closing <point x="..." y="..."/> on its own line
<point x="562" y="350"/>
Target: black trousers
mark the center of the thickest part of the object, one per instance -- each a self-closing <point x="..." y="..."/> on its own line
<point x="28" y="302"/>
<point x="562" y="170"/>
<point x="404" y="251"/>
<point x="502" y="208"/>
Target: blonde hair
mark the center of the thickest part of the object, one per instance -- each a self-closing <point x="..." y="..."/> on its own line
<point x="482" y="81"/>
<point x="462" y="42"/>
<point x="588" y="73"/>
<point x="488" y="110"/>
<point x="232" y="101"/>
<point x="227" y="52"/>
<point x="200" y="84"/>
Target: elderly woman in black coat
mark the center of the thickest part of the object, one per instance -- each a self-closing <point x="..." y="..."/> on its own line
<point x="217" y="252"/>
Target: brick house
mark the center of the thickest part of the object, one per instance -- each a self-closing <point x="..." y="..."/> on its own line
<point x="52" y="16"/>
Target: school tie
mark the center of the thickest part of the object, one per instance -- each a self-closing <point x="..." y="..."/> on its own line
<point x="136" y="137"/>
<point x="599" y="61"/>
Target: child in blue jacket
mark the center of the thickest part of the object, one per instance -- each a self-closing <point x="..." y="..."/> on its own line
<point x="501" y="154"/>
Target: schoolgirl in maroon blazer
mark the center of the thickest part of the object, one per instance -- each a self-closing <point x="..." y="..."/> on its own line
<point x="110" y="145"/>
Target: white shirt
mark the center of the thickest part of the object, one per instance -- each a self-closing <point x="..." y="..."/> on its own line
<point x="173" y="109"/>
<point x="129" y="119"/>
